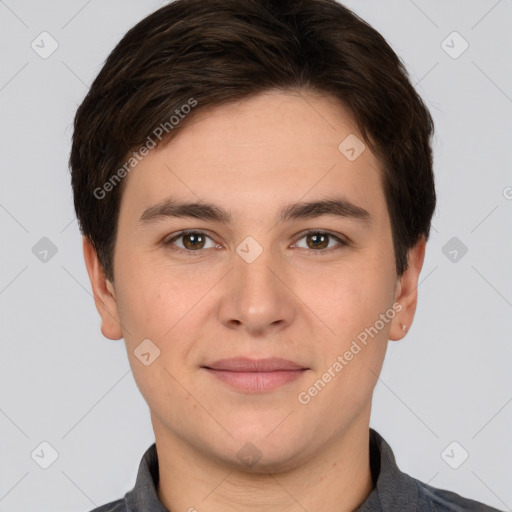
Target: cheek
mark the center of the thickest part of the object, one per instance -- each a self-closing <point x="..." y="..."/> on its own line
<point x="154" y="307"/>
<point x="152" y="296"/>
<point x="167" y="307"/>
<point x="347" y="298"/>
<point x="353" y="303"/>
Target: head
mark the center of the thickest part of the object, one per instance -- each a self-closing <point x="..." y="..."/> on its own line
<point x="247" y="110"/>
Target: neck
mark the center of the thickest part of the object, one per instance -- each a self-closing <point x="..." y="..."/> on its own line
<point x="337" y="479"/>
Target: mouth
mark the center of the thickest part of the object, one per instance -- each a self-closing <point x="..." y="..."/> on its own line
<point x="255" y="375"/>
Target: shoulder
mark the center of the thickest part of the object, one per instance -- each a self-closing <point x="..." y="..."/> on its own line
<point x="433" y="499"/>
<point x="396" y="490"/>
<point x="113" y="506"/>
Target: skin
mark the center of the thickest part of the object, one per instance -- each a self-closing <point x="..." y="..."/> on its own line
<point x="293" y="301"/>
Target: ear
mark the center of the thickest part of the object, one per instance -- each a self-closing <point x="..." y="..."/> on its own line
<point x="406" y="293"/>
<point x="104" y="293"/>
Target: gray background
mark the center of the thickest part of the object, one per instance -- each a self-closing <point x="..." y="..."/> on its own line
<point x="62" y="382"/>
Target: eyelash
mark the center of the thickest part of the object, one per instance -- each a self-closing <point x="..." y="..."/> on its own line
<point x="169" y="242"/>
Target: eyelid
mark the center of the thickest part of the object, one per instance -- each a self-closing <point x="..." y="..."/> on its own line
<point x="168" y="241"/>
<point x="341" y="239"/>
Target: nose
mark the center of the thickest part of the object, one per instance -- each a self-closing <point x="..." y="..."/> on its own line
<point x="257" y="295"/>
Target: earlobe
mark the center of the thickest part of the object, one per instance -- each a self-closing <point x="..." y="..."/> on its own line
<point x="406" y="293"/>
<point x="103" y="292"/>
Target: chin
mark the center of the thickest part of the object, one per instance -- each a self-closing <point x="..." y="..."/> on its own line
<point x="261" y="460"/>
<point x="257" y="452"/>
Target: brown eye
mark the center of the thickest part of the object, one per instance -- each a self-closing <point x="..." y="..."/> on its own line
<point x="317" y="240"/>
<point x="320" y="242"/>
<point x="193" y="240"/>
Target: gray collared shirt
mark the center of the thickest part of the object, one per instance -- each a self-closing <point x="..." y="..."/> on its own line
<point x="393" y="490"/>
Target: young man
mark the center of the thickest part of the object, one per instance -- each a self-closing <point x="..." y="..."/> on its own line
<point x="253" y="181"/>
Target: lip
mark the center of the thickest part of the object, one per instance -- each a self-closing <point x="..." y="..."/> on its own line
<point x="246" y="364"/>
<point x="255" y="375"/>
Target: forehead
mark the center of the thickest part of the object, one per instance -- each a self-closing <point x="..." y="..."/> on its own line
<point x="271" y="149"/>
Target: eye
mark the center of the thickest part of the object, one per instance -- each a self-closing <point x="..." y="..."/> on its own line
<point x="193" y="241"/>
<point x="318" y="241"/>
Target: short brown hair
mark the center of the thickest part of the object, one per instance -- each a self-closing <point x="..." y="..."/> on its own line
<point x="220" y="51"/>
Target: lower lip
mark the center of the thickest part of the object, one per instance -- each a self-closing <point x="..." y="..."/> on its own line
<point x="256" y="381"/>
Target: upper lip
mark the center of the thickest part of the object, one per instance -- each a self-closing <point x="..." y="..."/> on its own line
<point x="245" y="364"/>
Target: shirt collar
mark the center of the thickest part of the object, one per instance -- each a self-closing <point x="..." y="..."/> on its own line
<point x="393" y="490"/>
<point x="144" y="496"/>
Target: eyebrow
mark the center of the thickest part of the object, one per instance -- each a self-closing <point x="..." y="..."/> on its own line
<point x="172" y="208"/>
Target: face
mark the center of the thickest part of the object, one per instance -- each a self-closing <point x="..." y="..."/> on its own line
<point x="259" y="275"/>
